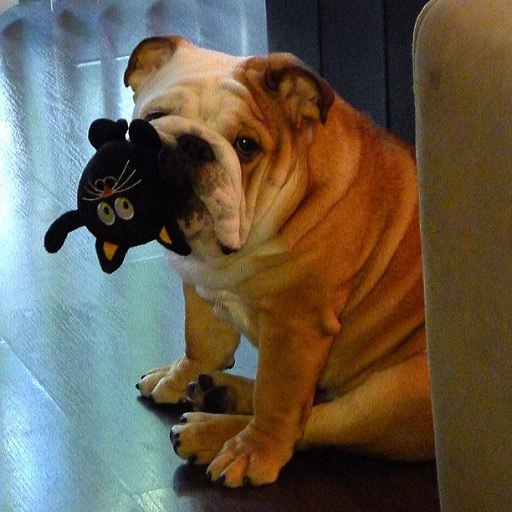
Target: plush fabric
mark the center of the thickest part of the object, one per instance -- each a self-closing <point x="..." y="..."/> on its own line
<point x="130" y="193"/>
<point x="463" y="96"/>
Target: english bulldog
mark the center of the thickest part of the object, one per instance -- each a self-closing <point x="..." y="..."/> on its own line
<point x="304" y="234"/>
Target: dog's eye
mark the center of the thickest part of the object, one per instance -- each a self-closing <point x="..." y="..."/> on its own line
<point x="246" y="148"/>
<point x="154" y="115"/>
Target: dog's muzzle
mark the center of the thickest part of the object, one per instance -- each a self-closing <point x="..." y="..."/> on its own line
<point x="216" y="178"/>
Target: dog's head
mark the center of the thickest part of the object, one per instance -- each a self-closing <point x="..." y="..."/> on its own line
<point x="243" y="123"/>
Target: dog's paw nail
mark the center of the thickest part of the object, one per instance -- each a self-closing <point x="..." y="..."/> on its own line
<point x="175" y="446"/>
<point x="209" y="476"/>
<point x="137" y="386"/>
<point x="142" y="376"/>
<point x="246" y="482"/>
<point x="221" y="480"/>
<point x="205" y="381"/>
<point x="192" y="459"/>
<point x="183" y="419"/>
<point x="174" y="435"/>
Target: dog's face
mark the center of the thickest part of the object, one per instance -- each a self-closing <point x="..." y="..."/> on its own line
<point x="243" y="123"/>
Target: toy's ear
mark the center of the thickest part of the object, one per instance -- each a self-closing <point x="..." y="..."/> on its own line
<point x="110" y="255"/>
<point x="102" y="131"/>
<point x="142" y="132"/>
<point x="59" y="230"/>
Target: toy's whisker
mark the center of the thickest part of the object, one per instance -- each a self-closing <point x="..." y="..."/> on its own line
<point x="120" y="182"/>
<point x="122" y="186"/>
<point x="119" y="185"/>
<point x="119" y="190"/>
<point x="92" y="191"/>
<point x="92" y="186"/>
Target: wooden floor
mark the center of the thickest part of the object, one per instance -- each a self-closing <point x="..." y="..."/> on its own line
<point x="73" y="341"/>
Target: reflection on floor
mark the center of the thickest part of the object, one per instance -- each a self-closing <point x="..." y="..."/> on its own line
<point x="73" y="340"/>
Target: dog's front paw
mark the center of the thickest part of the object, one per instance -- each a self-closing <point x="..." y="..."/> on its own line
<point x="169" y="384"/>
<point x="200" y="436"/>
<point x="252" y="457"/>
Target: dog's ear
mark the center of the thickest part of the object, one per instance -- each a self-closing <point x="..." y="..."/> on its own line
<point x="304" y="93"/>
<point x="149" y="56"/>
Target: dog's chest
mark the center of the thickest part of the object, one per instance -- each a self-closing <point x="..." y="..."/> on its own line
<point x="228" y="306"/>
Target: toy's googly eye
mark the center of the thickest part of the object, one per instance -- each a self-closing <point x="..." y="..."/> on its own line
<point x="124" y="208"/>
<point x="106" y="214"/>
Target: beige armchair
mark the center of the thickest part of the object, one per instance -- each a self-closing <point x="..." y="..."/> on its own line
<point x="463" y="97"/>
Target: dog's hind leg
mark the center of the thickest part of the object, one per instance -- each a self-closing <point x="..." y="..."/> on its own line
<point x="220" y="392"/>
<point x="389" y="415"/>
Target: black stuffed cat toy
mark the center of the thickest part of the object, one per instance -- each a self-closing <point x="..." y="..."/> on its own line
<point x="126" y="197"/>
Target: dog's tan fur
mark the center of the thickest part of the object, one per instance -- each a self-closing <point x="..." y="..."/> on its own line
<point x="326" y="280"/>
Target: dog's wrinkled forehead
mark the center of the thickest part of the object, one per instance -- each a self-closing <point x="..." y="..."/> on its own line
<point x="195" y="83"/>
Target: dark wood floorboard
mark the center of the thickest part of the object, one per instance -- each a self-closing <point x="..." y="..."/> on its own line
<point x="73" y="341"/>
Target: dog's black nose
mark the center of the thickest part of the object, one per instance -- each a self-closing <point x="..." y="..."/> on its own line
<point x="226" y="250"/>
<point x="172" y="170"/>
<point x="196" y="148"/>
